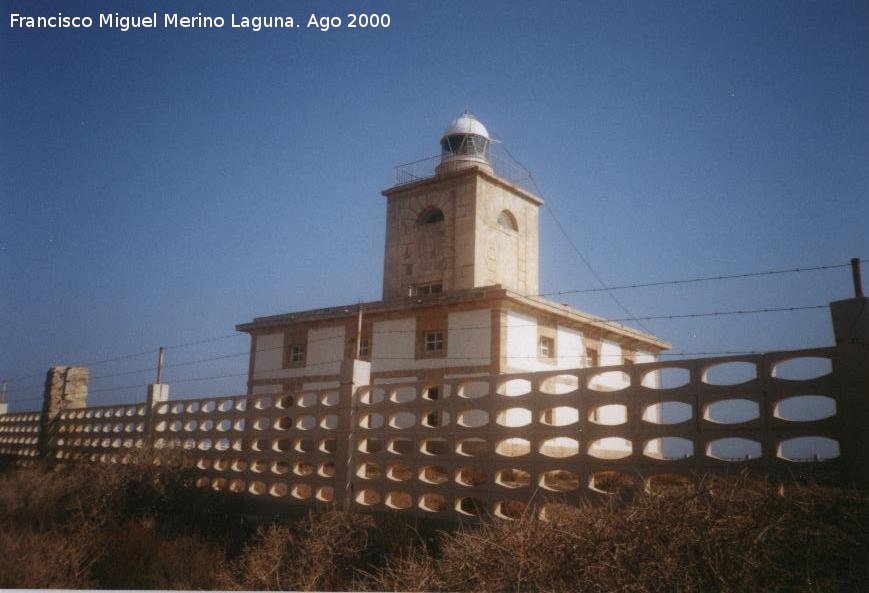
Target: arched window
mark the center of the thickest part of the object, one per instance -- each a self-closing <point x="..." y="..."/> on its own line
<point x="507" y="220"/>
<point x="430" y="215"/>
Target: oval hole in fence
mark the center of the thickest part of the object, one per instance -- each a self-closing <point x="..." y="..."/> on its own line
<point x="471" y="476"/>
<point x="434" y="392"/>
<point x="509" y="509"/>
<point x="259" y="466"/>
<point x="326" y="469"/>
<point x="301" y="491"/>
<point x="368" y="471"/>
<point x="513" y="478"/>
<point x="325" y="494"/>
<point x="559" y="416"/>
<point x="733" y="449"/>
<point x="370" y="446"/>
<point x="308" y="399"/>
<point x="327" y="446"/>
<point x="279" y="445"/>
<point x="371" y="396"/>
<point x="218" y="484"/>
<point x="805" y="408"/>
<point x="206" y="425"/>
<point x="284" y="402"/>
<point x="611" y="482"/>
<point x="732" y="411"/>
<point x="241" y="405"/>
<point x="559" y="384"/>
<point x="665" y="484"/>
<point x="209" y="407"/>
<point x="280" y="468"/>
<point x="473" y="418"/>
<point x="202" y="482"/>
<point x="669" y="448"/>
<point x="222" y="444"/>
<point x="368" y="497"/>
<point x="161" y="426"/>
<point x="802" y="368"/>
<point x="433" y="446"/>
<point x="279" y="489"/>
<point x="666" y="378"/>
<point x="193" y="408"/>
<point x="400" y="446"/>
<point x="304" y="445"/>
<point x="402" y="420"/>
<point x="609" y="381"/>
<point x="669" y="412"/>
<point x="203" y="463"/>
<point x="261" y="423"/>
<point x="435" y="419"/>
<point x="239" y="425"/>
<point x="306" y="422"/>
<point x="205" y="444"/>
<point x="329" y="422"/>
<point x="257" y="488"/>
<point x="303" y="468"/>
<point x="398" y="472"/>
<point x="225" y="405"/>
<point x="610" y="448"/>
<point x="433" y="503"/>
<point x="514" y="387"/>
<point x="730" y="373"/>
<point x="398" y="500"/>
<point x="513" y="447"/>
<point x="473" y="389"/>
<point x="237" y="486"/>
<point x="559" y="447"/>
<point x="263" y="403"/>
<point x="514" y="417"/>
<point x="329" y="398"/>
<point x="238" y="445"/>
<point x="808" y="449"/>
<point x="175" y="426"/>
<point x="371" y="421"/>
<point x="402" y="395"/>
<point x="472" y="447"/>
<point x="467" y="505"/>
<point x="433" y="474"/>
<point x="559" y="480"/>
<point x="609" y="415"/>
<point x="221" y="464"/>
<point x="284" y="423"/>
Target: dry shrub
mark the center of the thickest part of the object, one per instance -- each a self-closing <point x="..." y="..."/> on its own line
<point x="728" y="535"/>
<point x="46" y="560"/>
<point x="324" y="551"/>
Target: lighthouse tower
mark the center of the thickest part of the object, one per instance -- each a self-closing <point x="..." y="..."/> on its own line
<point x="464" y="227"/>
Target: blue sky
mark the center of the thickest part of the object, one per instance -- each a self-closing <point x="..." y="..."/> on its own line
<point x="160" y="186"/>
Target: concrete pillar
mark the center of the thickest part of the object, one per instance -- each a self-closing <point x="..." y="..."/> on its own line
<point x="354" y="374"/>
<point x="851" y="328"/>
<point x="4" y="408"/>
<point x="158" y="393"/>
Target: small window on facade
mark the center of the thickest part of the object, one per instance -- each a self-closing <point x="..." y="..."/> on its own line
<point x="426" y="289"/>
<point x="434" y="341"/>
<point x="297" y="353"/>
<point x="507" y="220"/>
<point x="364" y="347"/>
<point x="430" y="215"/>
<point x="546" y="347"/>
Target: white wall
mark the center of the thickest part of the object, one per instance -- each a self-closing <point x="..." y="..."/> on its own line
<point x="325" y="350"/>
<point x="521" y="342"/>
<point x="569" y="348"/>
<point x="469" y="342"/>
<point x="269" y="353"/>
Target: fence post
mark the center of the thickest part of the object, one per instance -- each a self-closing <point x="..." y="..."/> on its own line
<point x="66" y="387"/>
<point x="851" y="328"/>
<point x="158" y="393"/>
<point x="354" y="374"/>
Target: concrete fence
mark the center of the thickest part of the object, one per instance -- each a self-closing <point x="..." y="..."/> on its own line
<point x="491" y="444"/>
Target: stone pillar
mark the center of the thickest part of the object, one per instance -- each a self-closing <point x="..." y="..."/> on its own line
<point x="354" y="374"/>
<point x="851" y="328"/>
<point x="66" y="387"/>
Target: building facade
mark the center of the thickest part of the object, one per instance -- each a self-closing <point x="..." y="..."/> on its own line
<point x="460" y="288"/>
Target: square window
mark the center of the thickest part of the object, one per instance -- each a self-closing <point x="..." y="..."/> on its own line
<point x="546" y="347"/>
<point x="364" y="347"/>
<point x="434" y="341"/>
<point x="297" y="353"/>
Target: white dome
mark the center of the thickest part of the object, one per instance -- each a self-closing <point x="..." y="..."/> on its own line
<point x="467" y="124"/>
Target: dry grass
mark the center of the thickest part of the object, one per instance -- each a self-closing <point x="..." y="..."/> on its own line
<point x="145" y="526"/>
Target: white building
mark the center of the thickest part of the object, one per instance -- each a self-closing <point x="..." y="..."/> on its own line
<point x="460" y="275"/>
